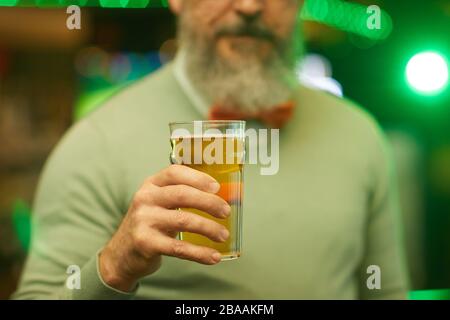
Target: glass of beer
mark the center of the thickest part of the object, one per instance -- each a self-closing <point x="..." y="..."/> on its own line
<point x="218" y="149"/>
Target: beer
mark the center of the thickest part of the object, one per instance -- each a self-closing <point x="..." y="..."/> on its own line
<point x="221" y="156"/>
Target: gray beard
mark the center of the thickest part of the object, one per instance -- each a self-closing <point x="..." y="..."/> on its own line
<point x="251" y="86"/>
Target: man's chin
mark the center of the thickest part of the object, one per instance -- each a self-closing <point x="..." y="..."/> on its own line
<point x="238" y="50"/>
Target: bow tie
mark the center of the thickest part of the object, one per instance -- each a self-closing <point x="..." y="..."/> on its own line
<point x="275" y="117"/>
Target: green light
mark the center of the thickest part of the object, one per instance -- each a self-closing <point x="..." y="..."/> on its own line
<point x="8" y="3"/>
<point x="348" y="17"/>
<point x="438" y="294"/>
<point x="427" y="72"/>
<point x="134" y="3"/>
<point x="111" y="3"/>
<point x="81" y="3"/>
<point x="86" y="3"/>
<point x="47" y="3"/>
<point x="89" y="102"/>
<point x="21" y="215"/>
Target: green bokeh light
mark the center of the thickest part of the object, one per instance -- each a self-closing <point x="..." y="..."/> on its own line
<point x="134" y="3"/>
<point x="81" y="3"/>
<point x="111" y="3"/>
<point x="427" y="73"/>
<point x="90" y="101"/>
<point x="438" y="294"/>
<point x="47" y="3"/>
<point x="8" y="3"/>
<point x="347" y="16"/>
<point x="21" y="215"/>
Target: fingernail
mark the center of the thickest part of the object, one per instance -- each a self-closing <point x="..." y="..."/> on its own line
<point x="214" y="187"/>
<point x="224" y="234"/>
<point x="226" y="210"/>
<point x="217" y="256"/>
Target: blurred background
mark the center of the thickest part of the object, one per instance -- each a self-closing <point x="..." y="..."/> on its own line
<point x="51" y="76"/>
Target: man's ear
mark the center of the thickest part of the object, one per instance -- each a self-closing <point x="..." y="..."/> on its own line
<point x="175" y="6"/>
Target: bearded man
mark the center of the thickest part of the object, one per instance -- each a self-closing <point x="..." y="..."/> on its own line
<point x="317" y="229"/>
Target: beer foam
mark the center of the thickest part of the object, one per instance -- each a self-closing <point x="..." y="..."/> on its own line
<point x="208" y="136"/>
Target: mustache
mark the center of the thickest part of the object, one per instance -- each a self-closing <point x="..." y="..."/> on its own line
<point x="250" y="30"/>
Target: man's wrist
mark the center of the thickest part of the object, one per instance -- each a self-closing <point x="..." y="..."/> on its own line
<point x="111" y="276"/>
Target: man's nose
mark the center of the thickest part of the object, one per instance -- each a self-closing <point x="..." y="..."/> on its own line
<point x="249" y="9"/>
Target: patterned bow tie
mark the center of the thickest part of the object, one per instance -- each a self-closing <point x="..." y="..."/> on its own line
<point x="275" y="117"/>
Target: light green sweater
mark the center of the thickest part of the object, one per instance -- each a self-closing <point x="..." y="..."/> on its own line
<point x="310" y="231"/>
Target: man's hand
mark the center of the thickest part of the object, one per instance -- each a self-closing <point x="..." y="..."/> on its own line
<point x="150" y="227"/>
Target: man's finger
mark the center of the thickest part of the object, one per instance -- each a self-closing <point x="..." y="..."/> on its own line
<point x="187" y="251"/>
<point x="182" y="196"/>
<point x="179" y="174"/>
<point x="183" y="221"/>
